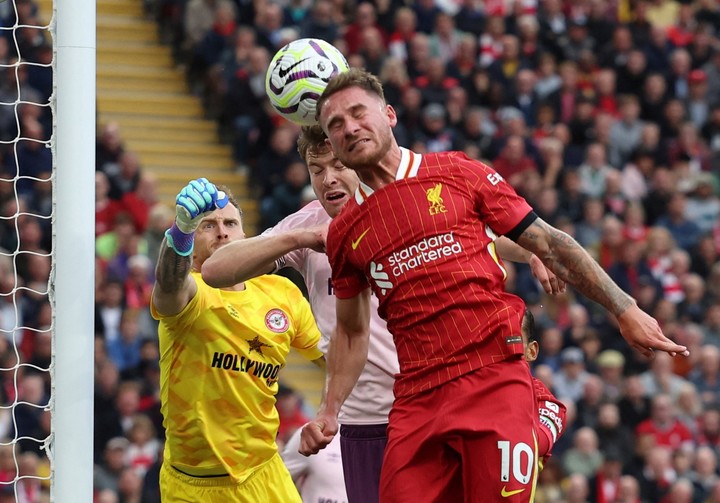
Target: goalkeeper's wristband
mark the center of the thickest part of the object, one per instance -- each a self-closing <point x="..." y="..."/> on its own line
<point x="179" y="241"/>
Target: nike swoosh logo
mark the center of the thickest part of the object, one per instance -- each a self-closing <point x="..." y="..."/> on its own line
<point x="506" y="494"/>
<point x="283" y="72"/>
<point x="355" y="243"/>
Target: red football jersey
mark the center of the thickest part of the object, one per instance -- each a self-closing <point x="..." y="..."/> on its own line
<point x="424" y="244"/>
<point x="551" y="414"/>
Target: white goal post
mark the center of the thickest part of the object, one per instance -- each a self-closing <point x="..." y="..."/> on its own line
<point x="73" y="281"/>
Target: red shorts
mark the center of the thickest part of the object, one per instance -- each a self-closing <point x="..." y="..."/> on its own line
<point x="469" y="440"/>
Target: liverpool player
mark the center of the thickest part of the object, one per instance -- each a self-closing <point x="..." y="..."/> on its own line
<point x="417" y="233"/>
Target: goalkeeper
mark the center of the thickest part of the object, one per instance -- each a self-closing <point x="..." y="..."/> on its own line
<point x="221" y="351"/>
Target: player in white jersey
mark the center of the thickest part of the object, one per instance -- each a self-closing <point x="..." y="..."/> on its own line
<point x="318" y="478"/>
<point x="298" y="241"/>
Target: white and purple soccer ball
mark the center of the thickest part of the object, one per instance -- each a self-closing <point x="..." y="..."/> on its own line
<point x="297" y="76"/>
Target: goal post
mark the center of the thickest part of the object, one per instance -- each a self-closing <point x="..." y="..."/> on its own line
<point x="73" y="281"/>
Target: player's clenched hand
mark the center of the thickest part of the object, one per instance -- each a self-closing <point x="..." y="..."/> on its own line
<point x="315" y="238"/>
<point x="195" y="200"/>
<point x="549" y="281"/>
<point x="317" y="435"/>
<point x="643" y="333"/>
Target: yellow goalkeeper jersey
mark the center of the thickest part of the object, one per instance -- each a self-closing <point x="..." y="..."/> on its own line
<point x="219" y="364"/>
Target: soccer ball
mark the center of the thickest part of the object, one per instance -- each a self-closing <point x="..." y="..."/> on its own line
<point x="297" y="76"/>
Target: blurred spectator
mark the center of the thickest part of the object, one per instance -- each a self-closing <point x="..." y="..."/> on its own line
<point x="635" y="403"/>
<point x="491" y="45"/>
<point x="681" y="491"/>
<point x="688" y="154"/>
<point x="659" y="378"/>
<point x="657" y="473"/>
<point x="129" y="486"/>
<point x="435" y="83"/>
<point x="108" y="147"/>
<point x="576" y="489"/>
<point x="694" y="303"/>
<point x="319" y="22"/>
<point x="708" y="431"/>
<point x="434" y="132"/>
<point x="685" y="232"/>
<point x="704" y="475"/>
<point x="680" y="67"/>
<point x="706" y="375"/>
<point x="673" y="117"/>
<point x="513" y="163"/>
<point x="584" y="457"/>
<point x="613" y="435"/>
<point x="160" y="217"/>
<point x="125" y="350"/>
<point x="711" y="325"/>
<point x="105" y="208"/>
<point x="697" y="100"/>
<point x="551" y="340"/>
<point x="588" y="406"/>
<point x="570" y="380"/>
<point x="245" y="117"/>
<point x="106" y="473"/>
<point x="372" y="50"/>
<point x="270" y="19"/>
<point x="702" y="204"/>
<point x="109" y="305"/>
<point x="292" y="416"/>
<point x="689" y="406"/>
<point x="125" y="175"/>
<point x="610" y="364"/>
<point x="286" y="196"/>
<point x="106" y="424"/>
<point x="31" y="157"/>
<point x="144" y="446"/>
<point x="664" y="426"/>
<point x="653" y="98"/>
<point x="605" y="484"/>
<point x="626" y="132"/>
<point x="629" y="490"/>
<point x="208" y="50"/>
<point x="273" y="163"/>
<point x="365" y="18"/>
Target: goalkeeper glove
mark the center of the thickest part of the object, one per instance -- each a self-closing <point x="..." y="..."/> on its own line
<point x="192" y="204"/>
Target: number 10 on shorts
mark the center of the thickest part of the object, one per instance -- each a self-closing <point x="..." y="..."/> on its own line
<point x="522" y="459"/>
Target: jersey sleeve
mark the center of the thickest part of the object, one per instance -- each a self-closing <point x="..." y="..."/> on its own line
<point x="551" y="413"/>
<point x="296" y="463"/>
<point x="495" y="199"/>
<point x="296" y="258"/>
<point x="348" y="281"/>
<point x="307" y="334"/>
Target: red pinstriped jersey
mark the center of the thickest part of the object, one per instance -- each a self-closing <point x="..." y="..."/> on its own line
<point x="424" y="244"/>
<point x="551" y="413"/>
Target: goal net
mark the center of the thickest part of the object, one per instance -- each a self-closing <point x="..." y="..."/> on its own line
<point x="47" y="62"/>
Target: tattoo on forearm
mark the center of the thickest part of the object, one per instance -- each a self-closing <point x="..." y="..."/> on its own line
<point x="172" y="269"/>
<point x="572" y="263"/>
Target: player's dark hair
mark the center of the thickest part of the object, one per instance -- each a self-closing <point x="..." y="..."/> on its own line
<point x="354" y="77"/>
<point x="311" y="141"/>
<point x="528" y="325"/>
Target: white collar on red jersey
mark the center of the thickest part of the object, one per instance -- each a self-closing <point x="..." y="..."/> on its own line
<point x="408" y="168"/>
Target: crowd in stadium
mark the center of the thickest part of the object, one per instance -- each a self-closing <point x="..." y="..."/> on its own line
<point x="603" y="114"/>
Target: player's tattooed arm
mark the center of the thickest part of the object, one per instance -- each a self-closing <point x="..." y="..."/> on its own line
<point x="172" y="270"/>
<point x="572" y="263"/>
<point x="174" y="287"/>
